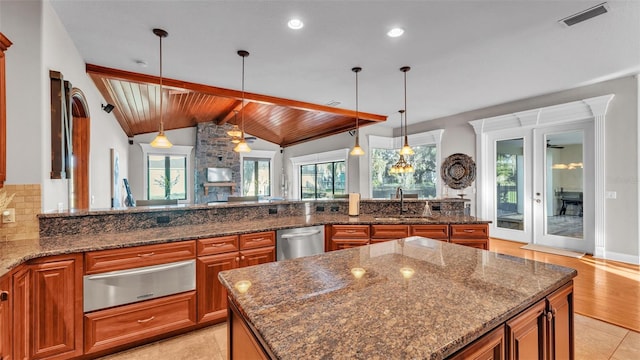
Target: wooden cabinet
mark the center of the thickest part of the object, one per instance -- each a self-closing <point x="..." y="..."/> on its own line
<point x="242" y="344"/>
<point x="105" y="329"/>
<point x="545" y="330"/>
<point x="432" y="231"/>
<point x="226" y="253"/>
<point x="347" y="236"/>
<point x="5" y="318"/>
<point x="47" y="308"/>
<point x="380" y="233"/>
<point x="489" y="347"/>
<point x="474" y="235"/>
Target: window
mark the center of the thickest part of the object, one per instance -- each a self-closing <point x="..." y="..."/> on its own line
<point x="166" y="176"/>
<point x="168" y="173"/>
<point x="323" y="180"/>
<point x="256" y="177"/>
<point x="423" y="181"/>
<point x="320" y="175"/>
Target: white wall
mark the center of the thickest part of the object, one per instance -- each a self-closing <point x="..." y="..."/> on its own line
<point x="621" y="145"/>
<point x="40" y="44"/>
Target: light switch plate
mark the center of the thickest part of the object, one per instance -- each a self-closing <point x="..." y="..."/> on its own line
<point x="611" y="195"/>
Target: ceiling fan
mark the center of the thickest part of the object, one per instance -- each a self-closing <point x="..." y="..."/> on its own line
<point x="550" y="146"/>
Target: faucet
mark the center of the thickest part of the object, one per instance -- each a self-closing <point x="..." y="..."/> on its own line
<point x="401" y="196"/>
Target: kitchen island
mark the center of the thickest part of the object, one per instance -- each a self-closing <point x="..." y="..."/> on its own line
<point x="413" y="298"/>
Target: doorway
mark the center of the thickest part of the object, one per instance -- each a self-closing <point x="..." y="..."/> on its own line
<point x="81" y="136"/>
<point x="524" y="195"/>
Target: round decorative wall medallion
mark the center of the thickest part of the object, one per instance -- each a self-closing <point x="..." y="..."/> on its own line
<point x="458" y="171"/>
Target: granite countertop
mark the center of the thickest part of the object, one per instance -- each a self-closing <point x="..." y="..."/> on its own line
<point x="315" y="308"/>
<point x="13" y="253"/>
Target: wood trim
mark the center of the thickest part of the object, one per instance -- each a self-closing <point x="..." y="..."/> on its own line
<point x="81" y="138"/>
<point x="228" y="93"/>
<point x="4" y="45"/>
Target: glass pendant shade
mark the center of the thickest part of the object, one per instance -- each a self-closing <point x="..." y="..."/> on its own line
<point x="161" y="141"/>
<point x="406" y="149"/>
<point x="242" y="147"/>
<point x="357" y="150"/>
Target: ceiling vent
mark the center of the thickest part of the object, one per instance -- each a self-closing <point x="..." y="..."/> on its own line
<point x="586" y="14"/>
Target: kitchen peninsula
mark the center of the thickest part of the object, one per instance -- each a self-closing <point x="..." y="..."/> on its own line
<point x="412" y="298"/>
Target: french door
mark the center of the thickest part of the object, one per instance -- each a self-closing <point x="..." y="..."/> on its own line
<point x="542" y="185"/>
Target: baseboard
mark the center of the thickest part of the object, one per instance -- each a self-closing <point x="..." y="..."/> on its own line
<point x="625" y="258"/>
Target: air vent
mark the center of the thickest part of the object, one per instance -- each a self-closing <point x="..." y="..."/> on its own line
<point x="586" y="14"/>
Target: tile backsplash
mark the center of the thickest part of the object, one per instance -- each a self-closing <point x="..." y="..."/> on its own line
<point x="28" y="204"/>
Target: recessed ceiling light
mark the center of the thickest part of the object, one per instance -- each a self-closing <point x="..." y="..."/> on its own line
<point x="295" y="24"/>
<point x="395" y="32"/>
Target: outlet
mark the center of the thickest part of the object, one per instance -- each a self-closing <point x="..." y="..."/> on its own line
<point x="319" y="208"/>
<point x="273" y="211"/>
<point x="9" y="216"/>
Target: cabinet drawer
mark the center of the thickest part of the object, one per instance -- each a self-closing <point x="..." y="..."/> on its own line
<point x="477" y="243"/>
<point x="389" y="231"/>
<point x="350" y="231"/>
<point x="125" y="324"/>
<point x="438" y="232"/>
<point x="470" y="231"/>
<point x="138" y="256"/>
<point x="338" y="244"/>
<point x="256" y="240"/>
<point x="217" y="245"/>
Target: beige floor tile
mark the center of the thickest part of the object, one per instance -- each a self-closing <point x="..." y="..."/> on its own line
<point x="629" y="348"/>
<point x="586" y="322"/>
<point x="594" y="344"/>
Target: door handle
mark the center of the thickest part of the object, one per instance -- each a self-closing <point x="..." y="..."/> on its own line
<point x="538" y="201"/>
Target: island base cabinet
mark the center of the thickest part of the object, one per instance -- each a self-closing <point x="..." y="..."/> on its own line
<point x="545" y="330"/>
<point x="106" y="329"/>
<point x="489" y="347"/>
<point x="242" y="344"/>
<point x="212" y="296"/>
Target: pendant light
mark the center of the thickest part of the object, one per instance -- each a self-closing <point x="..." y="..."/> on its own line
<point x="161" y="140"/>
<point x="406" y="149"/>
<point x="402" y="166"/>
<point x="242" y="145"/>
<point x="357" y="150"/>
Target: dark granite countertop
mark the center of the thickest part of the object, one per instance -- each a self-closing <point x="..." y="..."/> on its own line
<point x="315" y="308"/>
<point x="13" y="253"/>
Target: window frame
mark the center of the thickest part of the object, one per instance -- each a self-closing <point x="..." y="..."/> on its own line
<point x="318" y="158"/>
<point x="433" y="137"/>
<point x="175" y="150"/>
<point x="259" y="154"/>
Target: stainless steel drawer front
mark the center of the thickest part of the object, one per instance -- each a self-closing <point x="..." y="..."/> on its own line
<point x="128" y="286"/>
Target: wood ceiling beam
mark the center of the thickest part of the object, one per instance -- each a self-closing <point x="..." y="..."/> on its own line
<point x="217" y="91"/>
<point x="230" y="113"/>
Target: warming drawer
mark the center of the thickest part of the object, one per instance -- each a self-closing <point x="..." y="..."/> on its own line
<point x="121" y="287"/>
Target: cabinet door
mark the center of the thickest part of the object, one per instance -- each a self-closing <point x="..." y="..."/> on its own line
<point x="257" y="256"/>
<point x="560" y="305"/>
<point x="21" y="312"/>
<point x="5" y="318"/>
<point x="489" y="347"/>
<point x="57" y="307"/>
<point x="526" y="334"/>
<point x="212" y="296"/>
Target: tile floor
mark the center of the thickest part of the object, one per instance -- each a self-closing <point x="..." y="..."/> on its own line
<point x="594" y="340"/>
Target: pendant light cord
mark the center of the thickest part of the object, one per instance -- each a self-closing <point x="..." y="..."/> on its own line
<point x="243" y="97"/>
<point x="161" y="97"/>
<point x="357" y="115"/>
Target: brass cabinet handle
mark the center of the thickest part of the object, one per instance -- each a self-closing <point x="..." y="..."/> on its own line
<point x="468" y="230"/>
<point x="257" y="239"/>
<point x="237" y="259"/>
<point x="218" y="244"/>
<point x="549" y="316"/>
<point x="147" y="254"/>
<point x="146" y="320"/>
<point x="242" y="257"/>
<point x="350" y="231"/>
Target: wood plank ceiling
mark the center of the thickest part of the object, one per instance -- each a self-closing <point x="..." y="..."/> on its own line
<point x="285" y="122"/>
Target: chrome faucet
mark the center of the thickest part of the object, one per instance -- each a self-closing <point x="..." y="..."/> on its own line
<point x="400" y="194"/>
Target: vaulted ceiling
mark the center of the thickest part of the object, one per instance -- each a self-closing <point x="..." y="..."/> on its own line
<point x="136" y="100"/>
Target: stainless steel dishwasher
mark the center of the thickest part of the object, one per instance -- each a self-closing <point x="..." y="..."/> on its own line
<point x="298" y="242"/>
